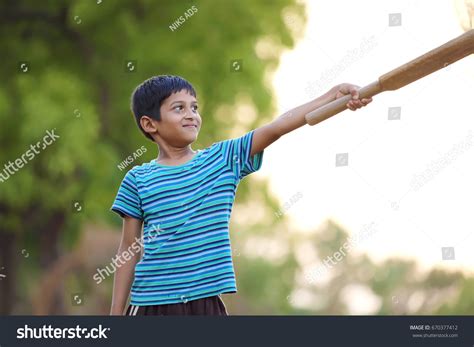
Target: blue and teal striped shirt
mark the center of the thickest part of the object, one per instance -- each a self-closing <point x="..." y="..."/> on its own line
<point x="185" y="211"/>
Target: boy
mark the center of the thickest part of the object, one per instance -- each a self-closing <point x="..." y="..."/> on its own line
<point x="184" y="200"/>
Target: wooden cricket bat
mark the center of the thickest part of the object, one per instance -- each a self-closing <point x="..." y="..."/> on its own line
<point x="420" y="67"/>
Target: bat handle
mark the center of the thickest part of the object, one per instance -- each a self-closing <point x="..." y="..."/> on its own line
<point x="339" y="105"/>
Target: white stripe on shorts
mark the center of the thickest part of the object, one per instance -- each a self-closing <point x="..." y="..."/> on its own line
<point x="133" y="310"/>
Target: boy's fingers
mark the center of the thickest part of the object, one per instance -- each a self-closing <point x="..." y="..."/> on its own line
<point x="350" y="106"/>
<point x="354" y="93"/>
<point x="355" y="104"/>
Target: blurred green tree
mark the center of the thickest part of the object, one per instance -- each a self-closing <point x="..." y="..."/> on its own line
<point x="353" y="285"/>
<point x="70" y="67"/>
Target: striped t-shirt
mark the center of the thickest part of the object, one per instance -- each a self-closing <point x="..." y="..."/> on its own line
<point x="185" y="211"/>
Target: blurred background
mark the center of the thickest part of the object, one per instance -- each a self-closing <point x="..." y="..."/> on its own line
<point x="366" y="213"/>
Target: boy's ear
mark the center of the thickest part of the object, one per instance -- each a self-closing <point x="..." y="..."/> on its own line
<point x="148" y="124"/>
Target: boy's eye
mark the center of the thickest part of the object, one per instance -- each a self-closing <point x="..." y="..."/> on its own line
<point x="180" y="108"/>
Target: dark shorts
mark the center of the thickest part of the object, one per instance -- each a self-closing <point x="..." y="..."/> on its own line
<point x="211" y="306"/>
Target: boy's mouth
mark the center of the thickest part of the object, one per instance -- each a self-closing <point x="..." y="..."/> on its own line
<point x="190" y="126"/>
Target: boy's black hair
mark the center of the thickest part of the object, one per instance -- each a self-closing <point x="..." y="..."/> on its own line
<point x="149" y="95"/>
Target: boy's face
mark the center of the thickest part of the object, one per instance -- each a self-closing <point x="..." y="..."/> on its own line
<point x="180" y="120"/>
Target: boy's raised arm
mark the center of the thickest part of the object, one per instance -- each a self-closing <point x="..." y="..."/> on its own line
<point x="295" y="118"/>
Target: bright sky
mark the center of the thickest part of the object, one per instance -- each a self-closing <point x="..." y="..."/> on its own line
<point x="385" y="156"/>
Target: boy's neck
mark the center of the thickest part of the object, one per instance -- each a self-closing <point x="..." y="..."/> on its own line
<point x="175" y="155"/>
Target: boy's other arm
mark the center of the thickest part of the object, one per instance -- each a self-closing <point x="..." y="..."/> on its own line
<point x="125" y="272"/>
<point x="295" y="118"/>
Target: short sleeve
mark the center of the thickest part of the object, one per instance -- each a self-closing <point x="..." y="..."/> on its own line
<point x="236" y="153"/>
<point x="127" y="202"/>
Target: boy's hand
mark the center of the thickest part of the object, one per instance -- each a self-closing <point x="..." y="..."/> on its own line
<point x="345" y="89"/>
